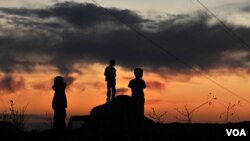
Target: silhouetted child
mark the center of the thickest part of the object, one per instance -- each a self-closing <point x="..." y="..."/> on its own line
<point x="59" y="104"/>
<point x="110" y="74"/>
<point x="137" y="85"/>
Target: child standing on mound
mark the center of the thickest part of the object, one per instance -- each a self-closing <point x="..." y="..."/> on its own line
<point x="59" y="104"/>
<point x="137" y="85"/>
<point x="110" y="74"/>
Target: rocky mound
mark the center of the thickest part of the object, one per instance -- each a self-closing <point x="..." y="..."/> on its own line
<point x="118" y="113"/>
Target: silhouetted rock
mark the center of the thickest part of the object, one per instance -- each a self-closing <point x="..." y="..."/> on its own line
<point x="118" y="113"/>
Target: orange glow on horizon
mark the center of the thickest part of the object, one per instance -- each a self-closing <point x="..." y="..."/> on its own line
<point x="162" y="93"/>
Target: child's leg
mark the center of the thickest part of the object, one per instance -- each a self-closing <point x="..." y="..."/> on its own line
<point x="108" y="92"/>
<point x="113" y="92"/>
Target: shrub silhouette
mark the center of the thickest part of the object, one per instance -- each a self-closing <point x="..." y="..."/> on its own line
<point x="15" y="116"/>
<point x="160" y="118"/>
<point x="230" y="111"/>
<point x="187" y="114"/>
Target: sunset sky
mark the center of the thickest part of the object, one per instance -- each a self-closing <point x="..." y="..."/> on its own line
<point x="186" y="53"/>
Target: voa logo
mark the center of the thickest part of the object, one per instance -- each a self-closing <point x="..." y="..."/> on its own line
<point x="236" y="132"/>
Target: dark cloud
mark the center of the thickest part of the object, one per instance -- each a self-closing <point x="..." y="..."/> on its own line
<point x="79" y="15"/>
<point x="95" y="84"/>
<point x="69" y="80"/>
<point x="154" y="101"/>
<point x="155" y="85"/>
<point x="11" y="84"/>
<point x="40" y="86"/>
<point x="83" y="15"/>
<point x="246" y="8"/>
<point x="69" y="33"/>
<point x="121" y="91"/>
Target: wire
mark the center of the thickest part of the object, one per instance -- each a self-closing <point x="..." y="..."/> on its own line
<point x="200" y="9"/>
<point x="155" y="44"/>
<point x="225" y="27"/>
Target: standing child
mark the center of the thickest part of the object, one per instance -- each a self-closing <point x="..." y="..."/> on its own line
<point x="137" y="85"/>
<point x="110" y="74"/>
<point x="59" y="104"/>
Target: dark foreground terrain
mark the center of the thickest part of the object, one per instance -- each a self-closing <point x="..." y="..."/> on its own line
<point x="157" y="132"/>
<point x="116" y="121"/>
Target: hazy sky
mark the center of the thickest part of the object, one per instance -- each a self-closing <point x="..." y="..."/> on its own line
<point x="42" y="39"/>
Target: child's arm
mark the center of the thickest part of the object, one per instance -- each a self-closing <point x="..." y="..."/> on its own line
<point x="105" y="71"/>
<point x="144" y="84"/>
<point x="114" y="72"/>
<point x="64" y="85"/>
<point x="130" y="84"/>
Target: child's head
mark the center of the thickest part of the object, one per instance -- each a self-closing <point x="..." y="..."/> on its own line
<point x="58" y="80"/>
<point x="138" y="73"/>
<point x="112" y="62"/>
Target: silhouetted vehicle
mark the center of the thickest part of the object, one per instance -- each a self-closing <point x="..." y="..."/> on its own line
<point x="78" y="122"/>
